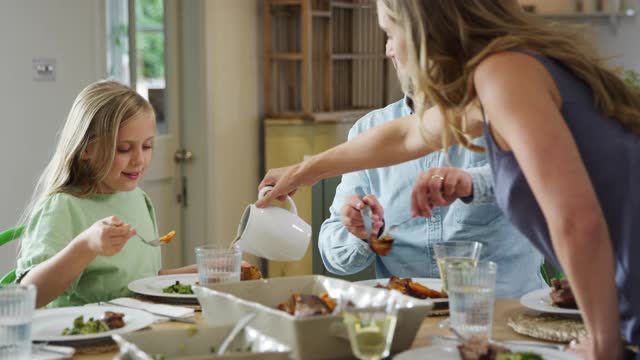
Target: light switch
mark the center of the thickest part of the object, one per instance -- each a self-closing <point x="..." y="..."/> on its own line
<point x="44" y="69"/>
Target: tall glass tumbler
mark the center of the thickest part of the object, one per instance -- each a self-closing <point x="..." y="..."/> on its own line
<point x="460" y="253"/>
<point x="218" y="264"/>
<point x="17" y="306"/>
<point x="371" y="322"/>
<point x="471" y="297"/>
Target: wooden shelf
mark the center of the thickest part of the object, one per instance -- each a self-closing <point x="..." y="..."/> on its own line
<point x="349" y="5"/>
<point x="595" y="15"/>
<point x="286" y="2"/>
<point x="323" y="56"/>
<point x="321" y="13"/>
<point x="286" y="56"/>
<point x="357" y="56"/>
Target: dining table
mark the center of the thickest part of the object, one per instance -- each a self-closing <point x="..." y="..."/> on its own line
<point x="501" y="331"/>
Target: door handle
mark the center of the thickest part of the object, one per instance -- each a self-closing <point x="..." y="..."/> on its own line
<point x="182" y="156"/>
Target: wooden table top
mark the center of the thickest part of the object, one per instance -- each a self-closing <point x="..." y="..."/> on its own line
<point x="501" y="331"/>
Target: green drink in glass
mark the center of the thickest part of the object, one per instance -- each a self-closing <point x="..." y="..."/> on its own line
<point x="370" y="322"/>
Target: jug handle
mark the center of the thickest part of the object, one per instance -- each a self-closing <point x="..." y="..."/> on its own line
<point x="266" y="189"/>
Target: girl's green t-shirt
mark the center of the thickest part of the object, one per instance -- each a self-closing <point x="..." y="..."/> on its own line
<point x="61" y="217"/>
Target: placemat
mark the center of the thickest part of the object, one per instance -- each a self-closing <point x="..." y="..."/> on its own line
<point x="546" y="326"/>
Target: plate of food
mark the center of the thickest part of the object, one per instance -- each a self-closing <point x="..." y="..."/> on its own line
<point x="445" y="352"/>
<point x="479" y="348"/>
<point x="558" y="299"/>
<point x="176" y="287"/>
<point x="419" y="288"/>
<point x="86" y="323"/>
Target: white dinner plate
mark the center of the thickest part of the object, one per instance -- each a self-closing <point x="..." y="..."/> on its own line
<point x="48" y="323"/>
<point x="435" y="284"/>
<point x="152" y="286"/>
<point x="447" y="352"/>
<point x="540" y="300"/>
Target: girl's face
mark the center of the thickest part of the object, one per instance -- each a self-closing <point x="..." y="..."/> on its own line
<point x="134" y="147"/>
<point x="396" y="46"/>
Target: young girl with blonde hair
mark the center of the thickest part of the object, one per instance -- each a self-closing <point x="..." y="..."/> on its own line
<point x="562" y="134"/>
<point x="87" y="203"/>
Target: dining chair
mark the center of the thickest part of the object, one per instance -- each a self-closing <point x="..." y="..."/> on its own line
<point x="5" y="237"/>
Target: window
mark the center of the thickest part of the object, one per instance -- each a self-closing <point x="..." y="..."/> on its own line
<point x="139" y="25"/>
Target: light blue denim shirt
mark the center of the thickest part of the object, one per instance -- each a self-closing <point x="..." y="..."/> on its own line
<point x="412" y="255"/>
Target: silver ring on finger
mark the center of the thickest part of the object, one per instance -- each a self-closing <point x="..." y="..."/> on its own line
<point x="437" y="177"/>
<point x="573" y="343"/>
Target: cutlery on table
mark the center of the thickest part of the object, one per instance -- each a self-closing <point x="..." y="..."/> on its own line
<point x="65" y="351"/>
<point x="244" y="321"/>
<point x="169" y="317"/>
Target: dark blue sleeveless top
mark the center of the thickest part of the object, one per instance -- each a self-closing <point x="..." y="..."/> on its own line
<point x="611" y="155"/>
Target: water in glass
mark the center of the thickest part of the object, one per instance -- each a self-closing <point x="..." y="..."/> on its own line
<point x="17" y="305"/>
<point x="218" y="264"/>
<point x="471" y="297"/>
<point x="471" y="310"/>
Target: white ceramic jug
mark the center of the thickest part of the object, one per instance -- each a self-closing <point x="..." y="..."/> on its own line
<point x="273" y="233"/>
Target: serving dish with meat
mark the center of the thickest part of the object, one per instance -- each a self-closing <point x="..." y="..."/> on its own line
<point x="320" y="336"/>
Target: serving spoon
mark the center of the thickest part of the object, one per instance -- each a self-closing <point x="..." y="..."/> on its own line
<point x="244" y="321"/>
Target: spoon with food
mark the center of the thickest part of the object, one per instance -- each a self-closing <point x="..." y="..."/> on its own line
<point x="163" y="240"/>
<point x="379" y="245"/>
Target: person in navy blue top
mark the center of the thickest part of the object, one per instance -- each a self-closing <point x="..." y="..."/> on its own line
<point x="562" y="133"/>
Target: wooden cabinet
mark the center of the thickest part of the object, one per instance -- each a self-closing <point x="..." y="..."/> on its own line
<point x="324" y="68"/>
<point x="323" y="56"/>
<point x="288" y="141"/>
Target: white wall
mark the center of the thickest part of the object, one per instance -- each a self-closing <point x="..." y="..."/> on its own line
<point x="32" y="112"/>
<point x="623" y="43"/>
<point x="234" y="83"/>
<point x="222" y="111"/>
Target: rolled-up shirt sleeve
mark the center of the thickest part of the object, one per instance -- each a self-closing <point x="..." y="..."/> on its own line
<point x="343" y="253"/>
<point x="483" y="189"/>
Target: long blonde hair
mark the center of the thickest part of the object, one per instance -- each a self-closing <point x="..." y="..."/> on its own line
<point x="446" y="40"/>
<point x="96" y="115"/>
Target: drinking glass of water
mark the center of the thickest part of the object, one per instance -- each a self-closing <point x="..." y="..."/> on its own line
<point x="370" y="321"/>
<point x="471" y="297"/>
<point x="218" y="264"/>
<point x="455" y="252"/>
<point x="17" y="305"/>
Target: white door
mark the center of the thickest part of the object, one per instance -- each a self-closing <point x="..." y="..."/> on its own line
<point x="163" y="181"/>
<point x="152" y="38"/>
